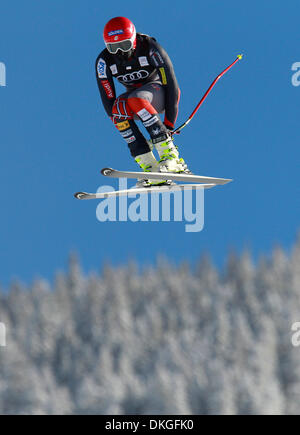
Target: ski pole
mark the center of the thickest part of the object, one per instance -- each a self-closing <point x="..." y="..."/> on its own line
<point x="177" y="131"/>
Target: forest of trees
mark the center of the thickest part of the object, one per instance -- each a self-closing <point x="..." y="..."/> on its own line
<point x="162" y="340"/>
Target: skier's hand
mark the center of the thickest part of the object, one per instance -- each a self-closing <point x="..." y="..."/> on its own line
<point x="171" y="130"/>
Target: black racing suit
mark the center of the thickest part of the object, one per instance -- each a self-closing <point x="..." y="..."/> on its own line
<point x="149" y="69"/>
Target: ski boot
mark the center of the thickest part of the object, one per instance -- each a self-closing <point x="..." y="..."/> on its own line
<point x="148" y="163"/>
<point x="169" y="158"/>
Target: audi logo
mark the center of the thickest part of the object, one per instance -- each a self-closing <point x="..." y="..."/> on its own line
<point x="137" y="75"/>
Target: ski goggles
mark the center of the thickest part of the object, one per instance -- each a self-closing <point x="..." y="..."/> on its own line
<point x="125" y="46"/>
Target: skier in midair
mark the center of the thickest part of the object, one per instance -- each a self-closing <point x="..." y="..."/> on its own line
<point x="139" y="63"/>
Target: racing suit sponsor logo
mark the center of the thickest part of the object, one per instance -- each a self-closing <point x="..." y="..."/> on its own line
<point x="156" y="131"/>
<point x="163" y="76"/>
<point x="108" y="89"/>
<point x="101" y="68"/>
<point x="156" y="56"/>
<point x="127" y="133"/>
<point x="131" y="139"/>
<point x="131" y="77"/>
<point x="114" y="69"/>
<point x="144" y="114"/>
<point x="155" y="61"/>
<point x="159" y="139"/>
<point x="143" y="61"/>
<point x="151" y="121"/>
<point x="123" y="125"/>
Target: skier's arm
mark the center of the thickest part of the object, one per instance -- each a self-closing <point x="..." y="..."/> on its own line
<point x="162" y="62"/>
<point x="105" y="84"/>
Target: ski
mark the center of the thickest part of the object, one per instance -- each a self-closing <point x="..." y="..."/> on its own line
<point x="142" y="190"/>
<point x="109" y="172"/>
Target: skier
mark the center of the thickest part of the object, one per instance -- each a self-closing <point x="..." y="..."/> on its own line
<point x="139" y="63"/>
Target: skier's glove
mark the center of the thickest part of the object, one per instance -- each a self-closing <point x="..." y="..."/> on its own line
<point x="170" y="130"/>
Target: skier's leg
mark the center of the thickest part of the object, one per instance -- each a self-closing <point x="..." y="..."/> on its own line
<point x="123" y="118"/>
<point x="147" y="102"/>
<point x="124" y="122"/>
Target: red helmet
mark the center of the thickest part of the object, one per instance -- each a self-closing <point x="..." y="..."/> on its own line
<point x="120" y="34"/>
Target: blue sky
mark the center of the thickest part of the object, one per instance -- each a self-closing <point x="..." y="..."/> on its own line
<point x="55" y="136"/>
